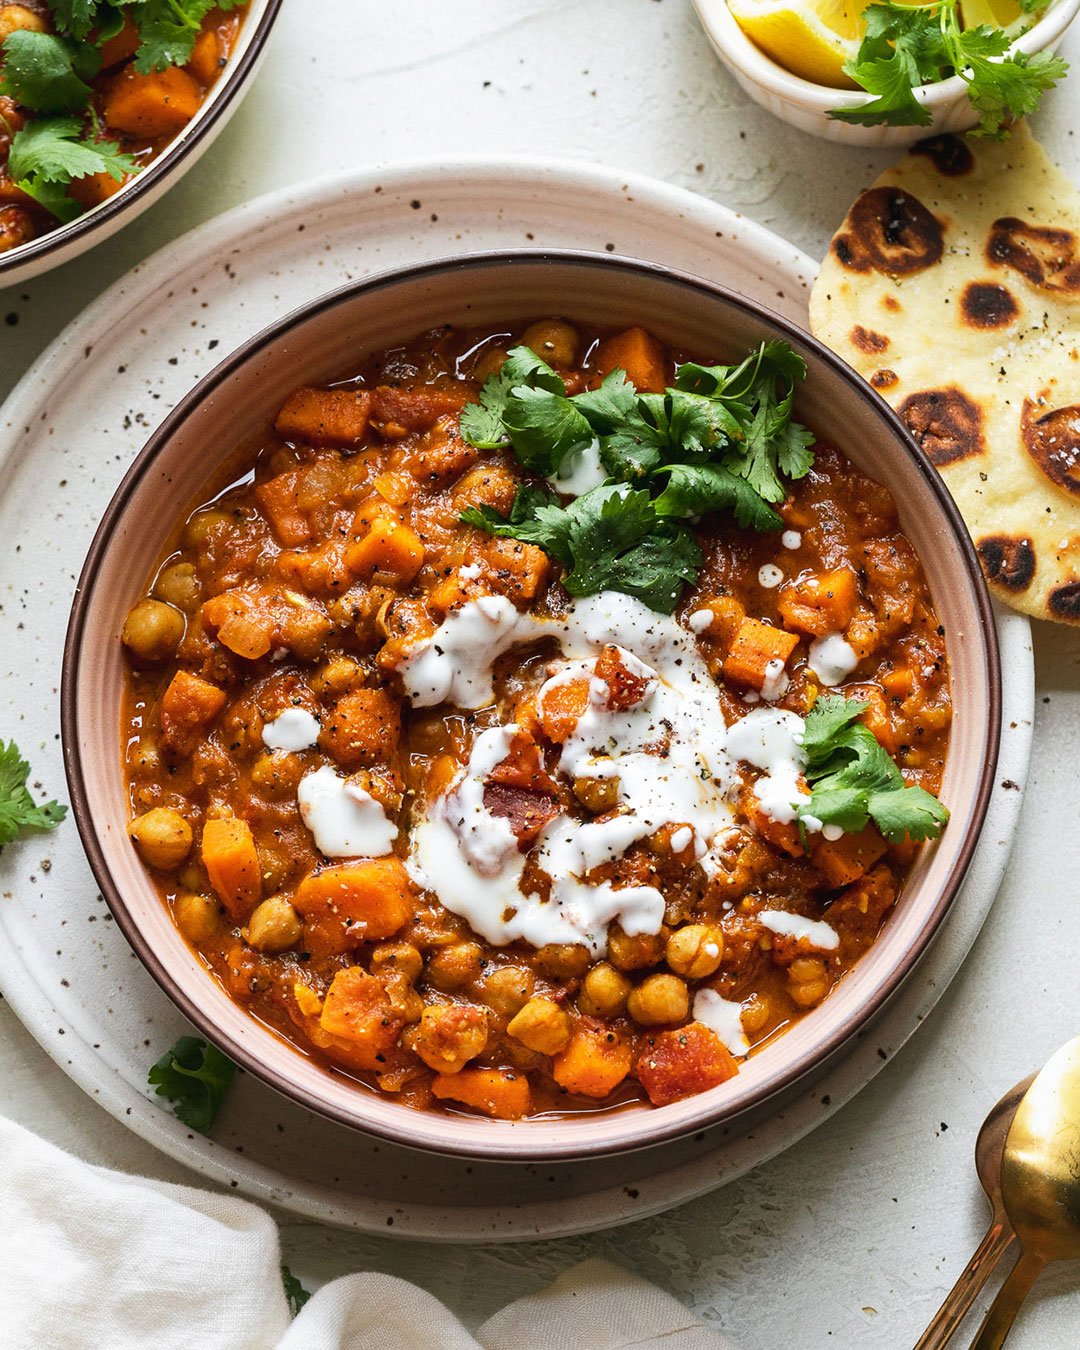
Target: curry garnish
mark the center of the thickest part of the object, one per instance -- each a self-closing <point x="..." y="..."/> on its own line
<point x="295" y="1292"/>
<point x="196" y="1078"/>
<point x="18" y="810"/>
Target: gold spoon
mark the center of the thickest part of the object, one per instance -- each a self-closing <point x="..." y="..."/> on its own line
<point x="989" y="1147"/>
<point x="1040" y="1185"/>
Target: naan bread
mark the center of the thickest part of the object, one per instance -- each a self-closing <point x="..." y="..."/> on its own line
<point x="953" y="286"/>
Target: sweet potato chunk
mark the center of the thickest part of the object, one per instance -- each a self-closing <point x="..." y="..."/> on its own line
<point x="594" y="1063"/>
<point x="159" y="104"/>
<point x="755" y="645"/>
<point x="389" y="550"/>
<point x="277" y="497"/>
<point x="364" y="727"/>
<point x="493" y="1092"/>
<point x="844" y="860"/>
<point x="325" y="416"/>
<point x="188" y="705"/>
<point x="727" y="616"/>
<point x="638" y="353"/>
<point x="876" y="717"/>
<point x="232" y="863"/>
<point x="526" y="812"/>
<point x="562" y="707"/>
<point x="515" y="569"/>
<point x="359" y="901"/>
<point x="683" y="1062"/>
<point x="251" y="621"/>
<point x="819" y="604"/>
<point x="625" y="686"/>
<point x="396" y="412"/>
<point x="357" y="1009"/>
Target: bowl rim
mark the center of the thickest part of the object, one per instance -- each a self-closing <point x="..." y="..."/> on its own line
<point x="509" y="1140"/>
<point x="190" y="138"/>
<point x="743" y="54"/>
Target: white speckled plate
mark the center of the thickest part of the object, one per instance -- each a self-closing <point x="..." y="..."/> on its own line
<point x="69" y="431"/>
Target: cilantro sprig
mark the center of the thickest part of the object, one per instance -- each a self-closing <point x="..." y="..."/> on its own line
<point x="907" y="46"/>
<point x="853" y="780"/>
<point x="196" y="1078"/>
<point x="18" y="810"/>
<point x="721" y="438"/>
<point x="295" y="1293"/>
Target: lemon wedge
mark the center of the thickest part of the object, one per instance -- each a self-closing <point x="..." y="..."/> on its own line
<point x="811" y="38"/>
<point x="1005" y="14"/>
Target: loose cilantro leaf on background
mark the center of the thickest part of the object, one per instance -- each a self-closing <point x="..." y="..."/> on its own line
<point x="50" y="152"/>
<point x="46" y="73"/>
<point x="610" y="538"/>
<point x="853" y="780"/>
<point x="195" y="1077"/>
<point x="295" y="1292"/>
<point x="18" y="810"/>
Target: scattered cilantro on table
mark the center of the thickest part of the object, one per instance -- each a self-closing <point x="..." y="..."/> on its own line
<point x="721" y="438"/>
<point x="853" y="780"/>
<point x="195" y="1077"/>
<point x="295" y="1292"/>
<point x="18" y="810"/>
<point x="906" y="46"/>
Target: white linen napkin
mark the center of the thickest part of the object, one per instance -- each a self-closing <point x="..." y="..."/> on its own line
<point x="95" y="1258"/>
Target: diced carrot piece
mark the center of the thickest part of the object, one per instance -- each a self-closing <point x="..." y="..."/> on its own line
<point x="819" y="604"/>
<point x="684" y="1062"/>
<point x="187" y="706"/>
<point x="493" y="1092"/>
<point x="389" y="550"/>
<point x="562" y="707"/>
<point x="755" y="646"/>
<point x="370" y="898"/>
<point x="159" y="104"/>
<point x="325" y="416"/>
<point x="364" y="727"/>
<point x="232" y="863"/>
<point x="396" y="412"/>
<point x="357" y="1009"/>
<point x="277" y="497"/>
<point x="844" y="860"/>
<point x="642" y="356"/>
<point x="594" y="1063"/>
<point x="625" y="687"/>
<point x="727" y="616"/>
<point x="514" y="569"/>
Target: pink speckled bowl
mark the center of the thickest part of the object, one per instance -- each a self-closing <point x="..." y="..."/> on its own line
<point x="316" y="343"/>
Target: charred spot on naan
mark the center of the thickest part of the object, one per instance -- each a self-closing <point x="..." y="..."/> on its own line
<point x="1064" y="602"/>
<point x="1053" y="442"/>
<point x="884" y="378"/>
<point x="1007" y="560"/>
<point x="948" y="154"/>
<point x="984" y="304"/>
<point x="945" y="423"/>
<point x="889" y="231"/>
<point x="867" y="340"/>
<point x="890" y="302"/>
<point x="1045" y="256"/>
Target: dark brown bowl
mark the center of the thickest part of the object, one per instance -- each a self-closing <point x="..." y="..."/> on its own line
<point x="312" y="345"/>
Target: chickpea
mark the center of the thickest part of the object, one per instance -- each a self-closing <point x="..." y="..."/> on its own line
<point x="508" y="989"/>
<point x="401" y="956"/>
<point x="553" y="340"/>
<point x="634" y="953"/>
<point x="277" y="773"/>
<point x="404" y="999"/>
<point x="659" y="999"/>
<point x="450" y="1035"/>
<point x="17" y="18"/>
<point x="695" y="951"/>
<point x="197" y="916"/>
<point x="144" y="757"/>
<point x="203" y="525"/>
<point x="339" y="675"/>
<point x="807" y="981"/>
<point x="489" y="363"/>
<point x="756" y="1012"/>
<point x="192" y="876"/>
<point x="162" y="836"/>
<point x="563" y="960"/>
<point x="604" y="991"/>
<point x="455" y="965"/>
<point x="179" y="585"/>
<point x="274" y="926"/>
<point x="542" y="1026"/>
<point x="152" y="630"/>
<point x="597" y="794"/>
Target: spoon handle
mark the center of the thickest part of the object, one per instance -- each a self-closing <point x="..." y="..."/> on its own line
<point x="999" y="1236"/>
<point x="999" y="1318"/>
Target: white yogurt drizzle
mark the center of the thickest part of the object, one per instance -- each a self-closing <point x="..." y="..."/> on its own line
<point x="580" y="470"/>
<point x="815" y="932"/>
<point x="293" y="730"/>
<point x="454" y="665"/>
<point x="347" y="822"/>
<point x="771" y="740"/>
<point x="723" y="1016"/>
<point x="831" y="659"/>
<point x="769" y="576"/>
<point x="791" y="539"/>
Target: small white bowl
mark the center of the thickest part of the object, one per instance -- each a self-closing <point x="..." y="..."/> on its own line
<point x="93" y="226"/>
<point x="806" y="105"/>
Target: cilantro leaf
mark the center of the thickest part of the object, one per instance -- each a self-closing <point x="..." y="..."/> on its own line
<point x="195" y="1077"/>
<point x="543" y="427"/>
<point x="18" y="810"/>
<point x="697" y="489"/>
<point x="853" y="780"/>
<point x="610" y="538"/>
<point x="1003" y="90"/>
<point x="51" y="151"/>
<point x="168" y="29"/>
<point x="76" y="17"/>
<point x="482" y="423"/>
<point x="46" y="73"/>
<point x="295" y="1292"/>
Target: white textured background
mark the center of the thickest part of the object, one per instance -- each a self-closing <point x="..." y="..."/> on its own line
<point x="852" y="1237"/>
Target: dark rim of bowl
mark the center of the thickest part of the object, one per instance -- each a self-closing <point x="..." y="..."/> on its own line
<point x="232" y="85"/>
<point x="512" y="1138"/>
